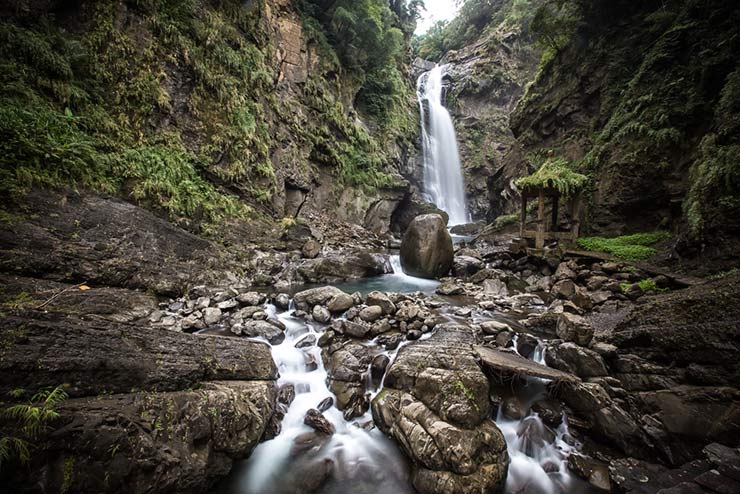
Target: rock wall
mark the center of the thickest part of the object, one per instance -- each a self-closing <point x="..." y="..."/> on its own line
<point x="641" y="96"/>
<point x="487" y="78"/>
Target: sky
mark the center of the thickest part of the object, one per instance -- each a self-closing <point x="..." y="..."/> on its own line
<point x="436" y="10"/>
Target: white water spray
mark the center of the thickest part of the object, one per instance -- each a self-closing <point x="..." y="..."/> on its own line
<point x="443" y="180"/>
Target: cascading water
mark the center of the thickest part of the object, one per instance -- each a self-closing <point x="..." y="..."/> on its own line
<point x="443" y="180"/>
<point x="354" y="459"/>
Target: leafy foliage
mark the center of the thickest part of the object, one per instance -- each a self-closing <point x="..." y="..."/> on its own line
<point x="32" y="419"/>
<point x="476" y="19"/>
<point x="557" y="174"/>
<point x="633" y="247"/>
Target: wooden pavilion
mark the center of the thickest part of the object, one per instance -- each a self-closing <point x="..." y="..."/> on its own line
<point x="555" y="181"/>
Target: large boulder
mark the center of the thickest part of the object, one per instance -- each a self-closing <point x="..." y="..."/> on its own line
<point x="339" y="267"/>
<point x="426" y="249"/>
<point x="435" y="405"/>
<point x="409" y="209"/>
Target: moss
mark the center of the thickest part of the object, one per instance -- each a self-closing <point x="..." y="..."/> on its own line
<point x="557" y="174"/>
<point x="505" y="220"/>
<point x="633" y="247"/>
<point x="68" y="471"/>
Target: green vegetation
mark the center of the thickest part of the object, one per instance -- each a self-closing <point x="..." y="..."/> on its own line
<point x="177" y="105"/>
<point x="647" y="285"/>
<point x="505" y="220"/>
<point x="32" y="420"/>
<point x="558" y="174"/>
<point x="476" y="20"/>
<point x="665" y="110"/>
<point x="633" y="247"/>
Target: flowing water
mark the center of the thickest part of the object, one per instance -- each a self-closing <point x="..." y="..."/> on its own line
<point x="359" y="458"/>
<point x="443" y="179"/>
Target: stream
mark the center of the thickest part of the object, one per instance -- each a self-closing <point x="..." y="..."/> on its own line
<point x="359" y="458"/>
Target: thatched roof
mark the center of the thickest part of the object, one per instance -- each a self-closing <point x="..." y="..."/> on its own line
<point x="554" y="174"/>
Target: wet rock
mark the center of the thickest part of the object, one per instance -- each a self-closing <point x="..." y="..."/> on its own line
<point x="307" y="299"/>
<point x="494" y="327"/>
<point x="443" y="373"/>
<point x="495" y="287"/>
<point x="320" y="314"/>
<point x="307" y="341"/>
<point x="565" y="271"/>
<point x="340" y="303"/>
<point x="580" y="361"/>
<point x="260" y="315"/>
<point x="505" y="339"/>
<point x="449" y="288"/>
<point x="413" y="334"/>
<point x="325" y="404"/>
<point x="357" y="406"/>
<point x="463" y="266"/>
<point x="326" y="338"/>
<point x="355" y="329"/>
<point x="193" y="323"/>
<point x="310" y="362"/>
<point x="378" y="367"/>
<point x="390" y="341"/>
<point x="348" y="362"/>
<point x="211" y="315"/>
<point x="595" y="472"/>
<point x="634" y="292"/>
<point x="263" y="329"/>
<point x="725" y="460"/>
<point x="549" y="410"/>
<point x="526" y="345"/>
<point x="383" y="301"/>
<point x="446" y="458"/>
<point x="286" y="394"/>
<point x="228" y="305"/>
<point x="571" y="327"/>
<point x="512" y="408"/>
<point x="250" y="298"/>
<point x="282" y="301"/>
<point x="380" y="327"/>
<point x="426" y="248"/>
<point x="371" y="313"/>
<point x="311" y="249"/>
<point x="345" y="266"/>
<point x="407" y="311"/>
<point x="316" y="420"/>
<point x="563" y="289"/>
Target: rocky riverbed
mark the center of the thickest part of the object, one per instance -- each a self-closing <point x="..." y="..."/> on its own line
<point x="516" y="374"/>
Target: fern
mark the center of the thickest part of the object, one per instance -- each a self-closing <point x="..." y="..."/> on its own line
<point x="33" y="419"/>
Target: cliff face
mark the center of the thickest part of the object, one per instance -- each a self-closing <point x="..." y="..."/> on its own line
<point x="199" y="111"/>
<point x="644" y="96"/>
<point x="490" y="56"/>
<point x="487" y="79"/>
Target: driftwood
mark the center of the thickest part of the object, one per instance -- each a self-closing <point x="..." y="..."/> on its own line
<point x="518" y="366"/>
<point x="53" y="297"/>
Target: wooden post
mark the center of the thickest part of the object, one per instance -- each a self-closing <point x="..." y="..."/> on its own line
<point x="523" y="218"/>
<point x="576" y="217"/>
<point x="539" y="242"/>
<point x="554" y="220"/>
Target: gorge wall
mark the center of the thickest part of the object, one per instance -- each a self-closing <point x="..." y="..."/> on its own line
<point x="644" y="97"/>
<point x="205" y="111"/>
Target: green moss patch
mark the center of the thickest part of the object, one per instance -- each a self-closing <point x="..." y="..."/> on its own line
<point x="633" y="247"/>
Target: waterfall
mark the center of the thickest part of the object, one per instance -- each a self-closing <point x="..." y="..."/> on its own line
<point x="443" y="181"/>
